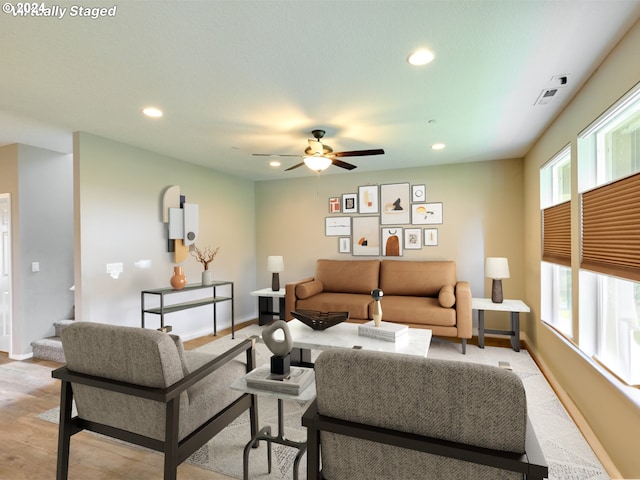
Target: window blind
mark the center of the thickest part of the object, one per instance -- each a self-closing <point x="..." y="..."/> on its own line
<point x="556" y="234"/>
<point x="611" y="228"/>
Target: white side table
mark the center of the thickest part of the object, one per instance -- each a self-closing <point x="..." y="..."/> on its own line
<point x="512" y="306"/>
<point x="307" y="395"/>
<point x="265" y="304"/>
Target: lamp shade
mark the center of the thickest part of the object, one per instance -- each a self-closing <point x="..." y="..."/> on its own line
<point x="496" y="267"/>
<point x="275" y="264"/>
<point x="317" y="163"/>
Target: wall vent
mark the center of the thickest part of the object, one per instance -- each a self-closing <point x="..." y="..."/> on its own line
<point x="546" y="96"/>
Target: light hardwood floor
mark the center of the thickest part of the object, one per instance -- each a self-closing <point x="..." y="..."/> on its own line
<point x="29" y="444"/>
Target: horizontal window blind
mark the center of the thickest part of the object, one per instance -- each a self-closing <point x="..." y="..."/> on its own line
<point x="611" y="228"/>
<point x="556" y="234"/>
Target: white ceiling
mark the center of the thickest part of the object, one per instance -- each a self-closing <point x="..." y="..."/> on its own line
<point x="241" y="77"/>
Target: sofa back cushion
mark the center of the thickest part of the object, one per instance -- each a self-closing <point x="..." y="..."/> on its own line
<point x="419" y="279"/>
<point x="348" y="276"/>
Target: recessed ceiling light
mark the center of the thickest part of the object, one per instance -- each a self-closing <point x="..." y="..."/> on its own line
<point x="275" y="163"/>
<point x="420" y="57"/>
<point x="152" y="112"/>
<point x="437" y="146"/>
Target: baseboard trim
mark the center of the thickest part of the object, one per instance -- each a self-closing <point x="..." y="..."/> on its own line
<point x="574" y="413"/>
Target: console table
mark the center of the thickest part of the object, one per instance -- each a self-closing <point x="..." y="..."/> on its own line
<point x="265" y="304"/>
<point x="512" y="306"/>
<point x="163" y="308"/>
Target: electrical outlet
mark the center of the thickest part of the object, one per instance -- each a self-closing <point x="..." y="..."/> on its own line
<point x="35" y="266"/>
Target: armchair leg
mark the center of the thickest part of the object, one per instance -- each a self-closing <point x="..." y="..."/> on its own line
<point x="464" y="346"/>
<point x="64" y="431"/>
<point x="171" y="439"/>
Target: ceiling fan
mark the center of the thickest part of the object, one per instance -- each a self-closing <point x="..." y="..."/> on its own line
<point x="318" y="156"/>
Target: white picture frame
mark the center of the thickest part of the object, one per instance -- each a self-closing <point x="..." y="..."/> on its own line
<point x="349" y="203"/>
<point x="426" y="213"/>
<point x="430" y="237"/>
<point x="368" y="200"/>
<point x="419" y="193"/>
<point x="365" y="239"/>
<point x="412" y="239"/>
<point x="344" y="245"/>
<point x="395" y="204"/>
<point x="392" y="242"/>
<point x="337" y="226"/>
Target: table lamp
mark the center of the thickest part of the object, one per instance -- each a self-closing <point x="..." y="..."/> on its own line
<point x="496" y="268"/>
<point x="275" y="265"/>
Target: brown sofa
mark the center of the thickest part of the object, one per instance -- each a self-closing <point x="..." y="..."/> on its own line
<point x="422" y="294"/>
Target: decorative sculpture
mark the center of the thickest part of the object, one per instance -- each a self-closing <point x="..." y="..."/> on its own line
<point x="377" y="294"/>
<point x="281" y="349"/>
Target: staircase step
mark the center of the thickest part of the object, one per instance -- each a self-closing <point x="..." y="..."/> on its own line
<point x="49" y="348"/>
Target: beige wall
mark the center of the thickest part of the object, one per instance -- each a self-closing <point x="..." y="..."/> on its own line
<point x="611" y="413"/>
<point x="483" y="216"/>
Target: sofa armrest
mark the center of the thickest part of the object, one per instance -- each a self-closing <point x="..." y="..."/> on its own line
<point x="290" y="298"/>
<point x="464" y="319"/>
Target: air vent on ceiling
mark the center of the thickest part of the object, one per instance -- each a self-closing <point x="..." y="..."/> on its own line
<point x="546" y="96"/>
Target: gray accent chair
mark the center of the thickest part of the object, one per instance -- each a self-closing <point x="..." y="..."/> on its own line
<point x="141" y="386"/>
<point x="381" y="416"/>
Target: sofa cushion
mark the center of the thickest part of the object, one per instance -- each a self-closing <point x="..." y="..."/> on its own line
<point x="356" y="305"/>
<point x="415" y="278"/>
<point x="421" y="310"/>
<point x="447" y="297"/>
<point x="308" y="289"/>
<point x="348" y="276"/>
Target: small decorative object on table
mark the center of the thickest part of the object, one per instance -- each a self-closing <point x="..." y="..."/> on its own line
<point x="281" y="349"/>
<point x="377" y="294"/>
<point x="205" y="257"/>
<point x="275" y="264"/>
<point x="387" y="331"/>
<point x="178" y="280"/>
<point x="320" y="320"/>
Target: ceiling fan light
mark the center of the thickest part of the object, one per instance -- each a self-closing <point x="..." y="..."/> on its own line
<point x="317" y="163"/>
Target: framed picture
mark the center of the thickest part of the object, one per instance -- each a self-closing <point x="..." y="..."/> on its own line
<point x="349" y="203"/>
<point x="344" y="245"/>
<point x="392" y="242"/>
<point x="337" y="226"/>
<point x="394" y="200"/>
<point x="365" y="239"/>
<point x="418" y="193"/>
<point x="426" y="213"/>
<point x="430" y="237"/>
<point x="412" y="239"/>
<point x="368" y="199"/>
<point x="334" y="204"/>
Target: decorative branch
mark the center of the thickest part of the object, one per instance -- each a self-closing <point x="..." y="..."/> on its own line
<point x="204" y="256"/>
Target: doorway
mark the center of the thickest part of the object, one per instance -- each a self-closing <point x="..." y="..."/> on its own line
<point x="5" y="272"/>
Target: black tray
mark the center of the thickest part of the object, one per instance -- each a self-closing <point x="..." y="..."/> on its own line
<point x="320" y="320"/>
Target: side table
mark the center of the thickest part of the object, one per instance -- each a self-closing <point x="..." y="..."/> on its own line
<point x="512" y="306"/>
<point x="307" y="395"/>
<point x="265" y="304"/>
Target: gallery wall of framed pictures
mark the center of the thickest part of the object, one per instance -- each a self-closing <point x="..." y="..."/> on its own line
<point x="384" y="220"/>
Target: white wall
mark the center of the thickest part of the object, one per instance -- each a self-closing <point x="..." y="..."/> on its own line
<point x="40" y="182"/>
<point x="118" y="218"/>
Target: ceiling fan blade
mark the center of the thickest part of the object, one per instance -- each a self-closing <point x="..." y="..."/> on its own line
<point x="341" y="164"/>
<point x="295" y="166"/>
<point x="274" y="155"/>
<point x="359" y="153"/>
<point x="316" y="146"/>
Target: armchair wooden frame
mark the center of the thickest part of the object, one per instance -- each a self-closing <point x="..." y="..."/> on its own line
<point x="175" y="451"/>
<point x="531" y="464"/>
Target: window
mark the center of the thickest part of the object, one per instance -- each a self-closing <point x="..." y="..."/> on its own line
<point x="609" y="186"/>
<point x="555" y="202"/>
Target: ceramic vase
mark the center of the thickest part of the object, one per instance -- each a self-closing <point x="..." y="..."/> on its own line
<point x="377" y="313"/>
<point x="178" y="280"/>
<point x="207" y="277"/>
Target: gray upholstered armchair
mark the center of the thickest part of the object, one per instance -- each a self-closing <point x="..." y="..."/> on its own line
<point x="140" y="386"/>
<point x="381" y="416"/>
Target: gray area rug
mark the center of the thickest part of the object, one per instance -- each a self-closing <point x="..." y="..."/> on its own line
<point x="567" y="452"/>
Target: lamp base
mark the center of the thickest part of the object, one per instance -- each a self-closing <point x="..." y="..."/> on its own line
<point x="496" y="291"/>
<point x="275" y="281"/>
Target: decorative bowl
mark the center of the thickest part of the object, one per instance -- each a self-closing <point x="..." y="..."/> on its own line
<point x="320" y="320"/>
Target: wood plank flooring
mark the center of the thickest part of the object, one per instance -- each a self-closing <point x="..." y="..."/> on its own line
<point x="29" y="444"/>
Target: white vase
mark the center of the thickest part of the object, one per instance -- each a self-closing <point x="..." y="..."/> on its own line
<point x="207" y="278"/>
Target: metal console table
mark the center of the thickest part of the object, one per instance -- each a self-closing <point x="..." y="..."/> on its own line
<point x="163" y="308"/>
